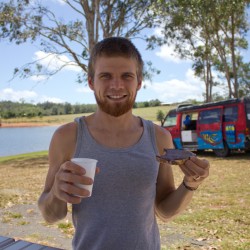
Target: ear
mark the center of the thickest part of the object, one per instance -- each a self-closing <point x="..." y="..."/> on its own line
<point x="90" y="83"/>
<point x="139" y="85"/>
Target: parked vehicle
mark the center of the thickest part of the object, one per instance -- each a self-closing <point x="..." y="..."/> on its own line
<point x="222" y="126"/>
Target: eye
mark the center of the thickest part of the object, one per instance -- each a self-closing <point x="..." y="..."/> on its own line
<point x="105" y="76"/>
<point x="128" y="76"/>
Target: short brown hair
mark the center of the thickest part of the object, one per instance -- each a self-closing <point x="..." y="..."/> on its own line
<point x="115" y="46"/>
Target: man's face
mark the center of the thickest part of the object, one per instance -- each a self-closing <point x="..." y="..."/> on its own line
<point x="115" y="84"/>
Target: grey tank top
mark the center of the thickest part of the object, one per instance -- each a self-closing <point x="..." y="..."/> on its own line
<point x="120" y="213"/>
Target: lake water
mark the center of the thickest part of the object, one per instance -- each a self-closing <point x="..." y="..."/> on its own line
<point x="15" y="141"/>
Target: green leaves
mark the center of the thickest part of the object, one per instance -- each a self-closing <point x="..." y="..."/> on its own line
<point x="211" y="34"/>
<point x="23" y="21"/>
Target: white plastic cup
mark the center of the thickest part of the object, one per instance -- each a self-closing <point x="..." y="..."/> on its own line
<point x="90" y="166"/>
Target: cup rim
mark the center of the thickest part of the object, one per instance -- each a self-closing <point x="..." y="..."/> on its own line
<point x="83" y="158"/>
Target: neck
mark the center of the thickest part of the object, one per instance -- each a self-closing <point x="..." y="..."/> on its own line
<point x="103" y="121"/>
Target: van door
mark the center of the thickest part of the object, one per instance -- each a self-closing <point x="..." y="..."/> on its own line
<point x="247" y="130"/>
<point x="171" y="123"/>
<point x="248" y="114"/>
<point x="209" y="128"/>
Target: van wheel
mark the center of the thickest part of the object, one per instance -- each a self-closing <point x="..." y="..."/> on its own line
<point x="224" y="152"/>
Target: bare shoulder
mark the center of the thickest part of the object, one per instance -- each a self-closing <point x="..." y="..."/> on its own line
<point x="163" y="138"/>
<point x="63" y="141"/>
<point x="160" y="131"/>
<point x="66" y="129"/>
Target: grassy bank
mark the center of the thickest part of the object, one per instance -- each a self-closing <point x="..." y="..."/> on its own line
<point x="23" y="157"/>
<point x="218" y="216"/>
<point x="149" y="113"/>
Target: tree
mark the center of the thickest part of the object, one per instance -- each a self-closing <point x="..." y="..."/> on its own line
<point x="230" y="26"/>
<point x="67" y="108"/>
<point x="244" y="79"/>
<point x="68" y="41"/>
<point x="160" y="116"/>
<point x="210" y="33"/>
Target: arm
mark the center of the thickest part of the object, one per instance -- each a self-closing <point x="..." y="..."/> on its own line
<point x="61" y="175"/>
<point x="169" y="200"/>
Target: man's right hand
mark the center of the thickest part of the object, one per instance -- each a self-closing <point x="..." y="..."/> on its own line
<point x="66" y="179"/>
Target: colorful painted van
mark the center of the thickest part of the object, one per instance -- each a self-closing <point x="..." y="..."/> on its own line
<point x="222" y="126"/>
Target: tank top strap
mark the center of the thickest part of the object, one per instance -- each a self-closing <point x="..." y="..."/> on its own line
<point x="83" y="134"/>
<point x="149" y="126"/>
<point x="80" y="132"/>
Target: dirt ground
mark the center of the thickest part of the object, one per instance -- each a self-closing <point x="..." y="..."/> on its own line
<point x="31" y="227"/>
<point x="22" y="182"/>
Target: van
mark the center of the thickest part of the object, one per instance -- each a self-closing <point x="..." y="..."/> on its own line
<point x="222" y="126"/>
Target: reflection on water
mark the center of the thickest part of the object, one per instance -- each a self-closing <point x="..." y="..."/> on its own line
<point x="15" y="141"/>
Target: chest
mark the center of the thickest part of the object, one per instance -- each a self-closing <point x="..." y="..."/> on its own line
<point x="127" y="173"/>
<point x="122" y="139"/>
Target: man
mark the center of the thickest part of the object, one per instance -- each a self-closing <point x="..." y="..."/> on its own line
<point x="130" y="186"/>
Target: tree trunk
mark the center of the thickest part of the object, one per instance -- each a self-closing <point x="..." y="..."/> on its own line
<point x="236" y="92"/>
<point x="90" y="22"/>
<point x="222" y="55"/>
<point x="210" y="82"/>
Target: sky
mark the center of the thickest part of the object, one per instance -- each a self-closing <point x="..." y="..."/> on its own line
<point x="175" y="83"/>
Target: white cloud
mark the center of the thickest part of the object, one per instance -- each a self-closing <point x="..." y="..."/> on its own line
<point x="16" y="96"/>
<point x="45" y="98"/>
<point x="9" y="94"/>
<point x="54" y="61"/>
<point x="62" y="2"/>
<point x="83" y="89"/>
<point x="38" y="78"/>
<point x="168" y="54"/>
<point x="176" y="90"/>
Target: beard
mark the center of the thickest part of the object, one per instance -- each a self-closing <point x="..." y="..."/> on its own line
<point x="115" y="109"/>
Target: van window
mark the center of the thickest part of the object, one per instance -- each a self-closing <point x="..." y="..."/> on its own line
<point x="248" y="110"/>
<point x="170" y="119"/>
<point x="189" y="121"/>
<point x="209" y="116"/>
<point x="231" y="114"/>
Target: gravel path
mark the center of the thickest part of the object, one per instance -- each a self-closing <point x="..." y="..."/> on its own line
<point x="31" y="227"/>
<point x="25" y="222"/>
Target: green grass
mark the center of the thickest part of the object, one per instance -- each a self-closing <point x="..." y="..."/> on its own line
<point x="66" y="227"/>
<point x="147" y="113"/>
<point x="218" y="215"/>
<point x="150" y="113"/>
<point x="23" y="157"/>
<point x="9" y="216"/>
<point x="219" y="212"/>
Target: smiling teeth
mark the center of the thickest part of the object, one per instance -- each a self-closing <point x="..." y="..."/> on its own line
<point x="116" y="96"/>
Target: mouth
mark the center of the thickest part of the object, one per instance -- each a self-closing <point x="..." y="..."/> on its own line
<point x="116" y="97"/>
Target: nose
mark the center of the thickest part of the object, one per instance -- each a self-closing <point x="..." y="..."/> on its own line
<point x="117" y="83"/>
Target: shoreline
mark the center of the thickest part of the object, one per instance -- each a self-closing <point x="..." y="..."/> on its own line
<point x="27" y="124"/>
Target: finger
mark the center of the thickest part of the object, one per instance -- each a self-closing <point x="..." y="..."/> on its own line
<point x="164" y="164"/>
<point x="187" y="170"/>
<point x="62" y="194"/>
<point x="76" y="179"/>
<point x="202" y="163"/>
<point x="74" y="190"/>
<point x="97" y="171"/>
<point x="74" y="168"/>
<point x="198" y="167"/>
<point x="72" y="199"/>
<point x="192" y="168"/>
